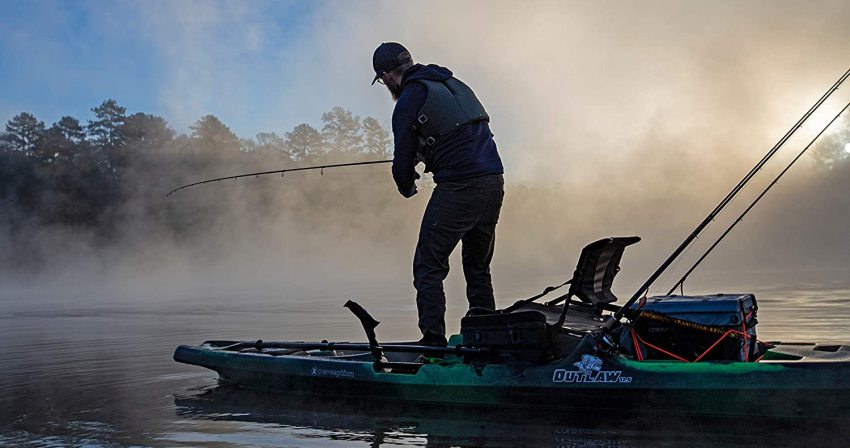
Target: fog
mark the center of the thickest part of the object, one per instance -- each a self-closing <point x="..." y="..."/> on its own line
<point x="612" y="119"/>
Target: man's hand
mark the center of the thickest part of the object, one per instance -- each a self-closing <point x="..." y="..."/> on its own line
<point x="409" y="193"/>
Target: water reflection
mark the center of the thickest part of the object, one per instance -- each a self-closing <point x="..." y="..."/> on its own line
<point x="242" y="418"/>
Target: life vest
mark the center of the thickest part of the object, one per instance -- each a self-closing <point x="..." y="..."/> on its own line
<point x="449" y="105"/>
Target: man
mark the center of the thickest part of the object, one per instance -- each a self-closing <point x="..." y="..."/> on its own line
<point x="438" y="120"/>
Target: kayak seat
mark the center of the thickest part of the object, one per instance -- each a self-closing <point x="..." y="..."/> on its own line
<point x="598" y="264"/>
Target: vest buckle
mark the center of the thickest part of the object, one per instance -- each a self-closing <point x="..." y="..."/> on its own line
<point x="429" y="141"/>
<point x="422" y="119"/>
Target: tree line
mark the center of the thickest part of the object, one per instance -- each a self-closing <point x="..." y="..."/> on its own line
<point x="74" y="173"/>
<point x="112" y="169"/>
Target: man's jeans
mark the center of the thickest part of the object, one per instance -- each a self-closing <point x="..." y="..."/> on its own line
<point x="459" y="211"/>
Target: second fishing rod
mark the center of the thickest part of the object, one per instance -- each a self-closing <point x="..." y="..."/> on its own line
<point x="740" y="217"/>
<point x="727" y="199"/>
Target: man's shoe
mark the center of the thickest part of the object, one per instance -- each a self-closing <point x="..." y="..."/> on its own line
<point x="433" y="340"/>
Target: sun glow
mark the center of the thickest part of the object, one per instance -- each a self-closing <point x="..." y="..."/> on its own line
<point x="821" y="119"/>
<point x="847" y="148"/>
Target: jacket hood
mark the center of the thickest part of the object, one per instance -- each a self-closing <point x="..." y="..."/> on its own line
<point x="429" y="72"/>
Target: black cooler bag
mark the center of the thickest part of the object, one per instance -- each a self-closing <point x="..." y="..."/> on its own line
<point x="522" y="335"/>
<point x="718" y="327"/>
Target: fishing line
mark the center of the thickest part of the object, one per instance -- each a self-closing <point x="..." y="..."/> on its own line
<point x="713" y="214"/>
<point x="741" y="216"/>
<point x="663" y="279"/>
<point x="287" y="170"/>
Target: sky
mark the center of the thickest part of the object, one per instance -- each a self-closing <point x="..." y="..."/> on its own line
<point x="179" y="59"/>
<point x="566" y="83"/>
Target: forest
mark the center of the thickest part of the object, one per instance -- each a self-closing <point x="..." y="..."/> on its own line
<point x="97" y="177"/>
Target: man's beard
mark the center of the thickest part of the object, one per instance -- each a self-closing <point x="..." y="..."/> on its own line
<point x="395" y="90"/>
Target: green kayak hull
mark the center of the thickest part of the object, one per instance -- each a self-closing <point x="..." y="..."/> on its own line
<point x="791" y="381"/>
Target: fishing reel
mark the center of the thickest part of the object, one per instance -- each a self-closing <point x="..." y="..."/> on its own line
<point x="605" y="340"/>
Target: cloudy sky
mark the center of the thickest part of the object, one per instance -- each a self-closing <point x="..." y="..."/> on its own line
<point x="567" y="84"/>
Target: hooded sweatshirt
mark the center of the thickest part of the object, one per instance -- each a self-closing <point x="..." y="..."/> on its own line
<point x="465" y="153"/>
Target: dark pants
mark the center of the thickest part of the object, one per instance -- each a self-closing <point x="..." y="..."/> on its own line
<point x="459" y="211"/>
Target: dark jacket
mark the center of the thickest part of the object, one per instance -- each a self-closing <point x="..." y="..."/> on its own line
<point x="465" y="153"/>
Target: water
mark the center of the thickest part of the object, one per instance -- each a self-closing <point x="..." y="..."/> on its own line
<point x="87" y="371"/>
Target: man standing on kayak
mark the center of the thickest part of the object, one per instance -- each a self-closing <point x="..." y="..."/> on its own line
<point x="438" y="120"/>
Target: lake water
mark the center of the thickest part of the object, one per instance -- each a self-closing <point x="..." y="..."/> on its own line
<point x="98" y="372"/>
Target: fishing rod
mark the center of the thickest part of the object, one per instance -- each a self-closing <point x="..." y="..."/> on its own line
<point x="287" y="170"/>
<point x="744" y="213"/>
<point x="726" y="200"/>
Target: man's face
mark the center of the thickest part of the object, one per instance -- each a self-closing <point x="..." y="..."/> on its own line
<point x="392" y="86"/>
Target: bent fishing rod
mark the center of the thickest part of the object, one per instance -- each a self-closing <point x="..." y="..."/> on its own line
<point x="740" y="218"/>
<point x="287" y="170"/>
<point x="724" y="202"/>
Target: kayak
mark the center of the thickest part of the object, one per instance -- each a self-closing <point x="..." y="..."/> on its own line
<point x="680" y="355"/>
<point x="674" y="355"/>
<point x="791" y="380"/>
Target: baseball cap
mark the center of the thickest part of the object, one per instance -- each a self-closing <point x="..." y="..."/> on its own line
<point x="388" y="56"/>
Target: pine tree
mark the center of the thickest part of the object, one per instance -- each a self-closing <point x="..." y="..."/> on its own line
<point x="70" y="127"/>
<point x="23" y="132"/>
<point x="54" y="146"/>
<point x="212" y="137"/>
<point x="148" y="131"/>
<point x="304" y="143"/>
<point x="270" y="142"/>
<point x="62" y="141"/>
<point x="106" y="129"/>
<point x="342" y="131"/>
<point x="378" y="142"/>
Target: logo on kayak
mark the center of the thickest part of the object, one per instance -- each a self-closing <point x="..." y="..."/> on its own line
<point x="336" y="373"/>
<point x="589" y="364"/>
<point x="589" y="371"/>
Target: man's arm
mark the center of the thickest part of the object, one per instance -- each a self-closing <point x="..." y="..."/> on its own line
<point x="405" y="138"/>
